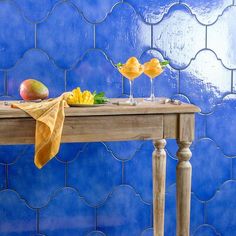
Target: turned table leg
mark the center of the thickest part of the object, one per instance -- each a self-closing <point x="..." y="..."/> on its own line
<point x="159" y="177"/>
<point x="183" y="188"/>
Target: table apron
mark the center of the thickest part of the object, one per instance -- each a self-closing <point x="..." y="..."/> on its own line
<point x="87" y="129"/>
<point x="104" y="128"/>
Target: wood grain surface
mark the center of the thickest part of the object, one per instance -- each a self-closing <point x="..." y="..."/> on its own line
<point x="143" y="107"/>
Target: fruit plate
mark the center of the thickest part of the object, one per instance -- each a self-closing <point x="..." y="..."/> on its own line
<point x="86" y="105"/>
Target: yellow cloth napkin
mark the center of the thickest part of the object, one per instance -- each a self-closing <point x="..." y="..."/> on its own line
<point x="49" y="116"/>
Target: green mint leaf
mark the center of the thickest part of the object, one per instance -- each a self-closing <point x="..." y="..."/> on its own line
<point x="100" y="98"/>
<point x="164" y="63"/>
<point x="119" y="64"/>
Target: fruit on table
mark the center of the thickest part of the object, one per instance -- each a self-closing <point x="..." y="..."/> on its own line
<point x="131" y="69"/>
<point x="32" y="89"/>
<point x="79" y="97"/>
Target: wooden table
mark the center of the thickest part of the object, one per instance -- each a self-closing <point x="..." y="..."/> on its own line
<point x="146" y="121"/>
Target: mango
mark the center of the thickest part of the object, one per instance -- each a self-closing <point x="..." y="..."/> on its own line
<point x="79" y="97"/>
<point x="32" y="89"/>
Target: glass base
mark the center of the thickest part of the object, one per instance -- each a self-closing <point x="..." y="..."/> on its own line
<point x="152" y="99"/>
<point x="131" y="101"/>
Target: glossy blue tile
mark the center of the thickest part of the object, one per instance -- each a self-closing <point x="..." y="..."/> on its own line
<point x="165" y="84"/>
<point x="207" y="12"/>
<point x="197" y="212"/>
<point x="179" y="42"/>
<point x="16" y="34"/>
<point x="138" y="171"/>
<point x="221" y="37"/>
<point x="95" y="11"/>
<point x="210" y="169"/>
<point x="71" y="37"/>
<point x="124" y="150"/>
<point x="220" y="211"/>
<point x="95" y="172"/>
<point x="234" y="168"/>
<point x="10" y="153"/>
<point x="200" y="126"/>
<point x="36" y="11"/>
<point x="96" y="233"/>
<point x="2" y="83"/>
<point x="96" y="73"/>
<point x="2" y="177"/>
<point x="120" y="39"/>
<point x="63" y="38"/>
<point x="147" y="232"/>
<point x="221" y="122"/>
<point x="5" y="98"/>
<point x="172" y="148"/>
<point x="66" y="214"/>
<point x="36" y="64"/>
<point x="69" y="151"/>
<point x="36" y="186"/>
<point x="207" y="230"/>
<point x="234" y="81"/>
<point x="152" y="11"/>
<point x="205" y="86"/>
<point x="17" y="219"/>
<point x="123" y="213"/>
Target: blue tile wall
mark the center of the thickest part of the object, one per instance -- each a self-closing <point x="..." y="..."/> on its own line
<point x="105" y="189"/>
<point x="36" y="64"/>
<point x="60" y="218"/>
<point x="2" y="85"/>
<point x="15" y="211"/>
<point x="65" y="43"/>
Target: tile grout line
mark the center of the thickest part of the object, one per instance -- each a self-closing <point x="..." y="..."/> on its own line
<point x="35" y="35"/>
<point x="204" y="213"/>
<point x="94" y="35"/>
<point x="232" y="171"/>
<point x="65" y="80"/>
<point x="96" y="218"/>
<point x="205" y="126"/>
<point x="6" y="176"/>
<point x="66" y="174"/>
<point x="37" y="220"/>
<point x="178" y="82"/>
<point x="232" y="81"/>
<point x="151" y="36"/>
<point x="123" y="173"/>
<point x="5" y="83"/>
<point x="123" y="86"/>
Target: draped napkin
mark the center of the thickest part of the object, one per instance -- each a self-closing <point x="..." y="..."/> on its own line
<point x="49" y="116"/>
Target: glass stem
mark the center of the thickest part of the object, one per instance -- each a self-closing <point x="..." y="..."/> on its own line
<point x="131" y="96"/>
<point x="152" y="97"/>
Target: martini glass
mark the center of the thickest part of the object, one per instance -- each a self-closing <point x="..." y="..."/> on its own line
<point x="131" y="70"/>
<point x="153" y="69"/>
